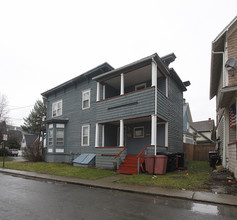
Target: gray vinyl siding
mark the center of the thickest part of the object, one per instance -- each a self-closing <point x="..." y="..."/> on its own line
<point x="72" y="109"/>
<point x="139" y="103"/>
<point x="105" y="157"/>
<point x="162" y="105"/>
<point x="175" y="118"/>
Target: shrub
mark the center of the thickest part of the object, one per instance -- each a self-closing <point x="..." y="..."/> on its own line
<point x="1" y="152"/>
<point x="33" y="152"/>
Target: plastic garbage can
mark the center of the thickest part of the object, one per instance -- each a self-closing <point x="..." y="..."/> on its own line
<point x="149" y="163"/>
<point x="160" y="164"/>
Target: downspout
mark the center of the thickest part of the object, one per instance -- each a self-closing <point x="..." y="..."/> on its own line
<point x="224" y="142"/>
<point x="155" y="112"/>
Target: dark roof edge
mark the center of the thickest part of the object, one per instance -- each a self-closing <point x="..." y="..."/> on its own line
<point x="125" y="67"/>
<point x="176" y="78"/>
<point x="80" y="77"/>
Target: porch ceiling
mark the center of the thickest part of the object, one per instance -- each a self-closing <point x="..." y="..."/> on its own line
<point x="134" y="77"/>
<point x="134" y="121"/>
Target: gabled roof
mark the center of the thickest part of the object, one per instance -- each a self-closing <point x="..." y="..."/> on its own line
<point x="207" y="125"/>
<point x="217" y="59"/>
<point x="186" y="109"/>
<point x="30" y="138"/>
<point x="105" y="67"/>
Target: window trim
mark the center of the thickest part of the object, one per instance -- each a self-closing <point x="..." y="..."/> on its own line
<point x="56" y="103"/>
<point x="56" y="137"/>
<point x="82" y="134"/>
<point x="139" y="85"/>
<point x="89" y="99"/>
<point x="49" y="130"/>
<point x="134" y="132"/>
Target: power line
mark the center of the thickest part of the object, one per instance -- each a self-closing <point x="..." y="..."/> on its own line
<point x="20" y="107"/>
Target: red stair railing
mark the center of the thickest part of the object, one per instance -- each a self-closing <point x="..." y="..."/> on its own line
<point x="118" y="156"/>
<point x="138" y="159"/>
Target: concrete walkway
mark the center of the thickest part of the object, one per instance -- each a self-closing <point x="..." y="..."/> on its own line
<point x="110" y="183"/>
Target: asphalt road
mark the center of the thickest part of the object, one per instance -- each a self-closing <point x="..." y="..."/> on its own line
<point x="32" y="199"/>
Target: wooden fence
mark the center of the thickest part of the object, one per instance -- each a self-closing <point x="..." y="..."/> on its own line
<point x="197" y="152"/>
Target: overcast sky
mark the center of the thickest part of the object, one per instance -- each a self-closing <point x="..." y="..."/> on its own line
<point x="45" y="43"/>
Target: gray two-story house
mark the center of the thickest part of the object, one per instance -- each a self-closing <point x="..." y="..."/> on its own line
<point x="113" y="113"/>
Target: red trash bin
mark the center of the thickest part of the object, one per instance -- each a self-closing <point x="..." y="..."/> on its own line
<point x="149" y="163"/>
<point x="160" y="164"/>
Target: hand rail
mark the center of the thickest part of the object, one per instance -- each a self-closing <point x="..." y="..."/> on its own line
<point x="138" y="159"/>
<point x="120" y="152"/>
<point x="141" y="152"/>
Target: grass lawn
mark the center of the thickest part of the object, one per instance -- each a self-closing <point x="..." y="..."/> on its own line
<point x="195" y="178"/>
<point x="59" y="169"/>
<point x="6" y="159"/>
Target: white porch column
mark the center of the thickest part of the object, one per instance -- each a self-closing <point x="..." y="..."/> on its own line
<point x="98" y="92"/>
<point x="153" y="129"/>
<point x="103" y="135"/>
<point x="121" y="139"/>
<point x="97" y="135"/>
<point x="166" y="134"/>
<point x="153" y="74"/>
<point x="122" y="84"/>
<point x="103" y="91"/>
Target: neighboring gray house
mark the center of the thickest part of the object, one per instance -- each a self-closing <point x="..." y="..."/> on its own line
<point x="189" y="137"/>
<point x="105" y="111"/>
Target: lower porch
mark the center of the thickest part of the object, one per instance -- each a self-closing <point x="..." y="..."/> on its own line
<point x="135" y="136"/>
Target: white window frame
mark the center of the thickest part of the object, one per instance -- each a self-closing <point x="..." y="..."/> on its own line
<point x="59" y="127"/>
<point x="55" y="108"/>
<point x="134" y="132"/>
<point x="140" y="85"/>
<point x="82" y="135"/>
<point x="50" y="142"/>
<point x="83" y="92"/>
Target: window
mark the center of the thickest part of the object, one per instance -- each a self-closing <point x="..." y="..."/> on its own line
<point x="57" y="108"/>
<point x="138" y="132"/>
<point x="59" y="134"/>
<point x="140" y="86"/>
<point x="50" y="137"/>
<point x="85" y="136"/>
<point x="86" y="99"/>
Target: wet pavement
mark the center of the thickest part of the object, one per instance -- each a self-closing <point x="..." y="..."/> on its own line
<point x="110" y="183"/>
<point x="32" y="199"/>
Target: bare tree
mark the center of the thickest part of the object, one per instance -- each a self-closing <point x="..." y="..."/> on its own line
<point x="3" y="108"/>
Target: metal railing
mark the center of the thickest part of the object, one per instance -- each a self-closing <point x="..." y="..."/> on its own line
<point x="138" y="159"/>
<point x="118" y="156"/>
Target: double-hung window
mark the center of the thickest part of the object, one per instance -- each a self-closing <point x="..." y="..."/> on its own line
<point x="50" y="135"/>
<point x="60" y="134"/>
<point x="86" y="99"/>
<point x="85" y="135"/>
<point x="57" y="108"/>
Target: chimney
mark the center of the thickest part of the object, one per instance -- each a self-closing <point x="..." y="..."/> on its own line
<point x="184" y="101"/>
<point x="209" y="119"/>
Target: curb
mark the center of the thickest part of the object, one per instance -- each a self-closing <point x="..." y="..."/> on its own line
<point x="221" y="199"/>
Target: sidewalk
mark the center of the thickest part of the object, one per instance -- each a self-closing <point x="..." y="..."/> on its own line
<point x="110" y="183"/>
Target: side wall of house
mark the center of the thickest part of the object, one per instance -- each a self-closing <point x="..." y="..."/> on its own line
<point x="232" y="154"/>
<point x="72" y="110"/>
<point x="175" y="118"/>
<point x="232" y="52"/>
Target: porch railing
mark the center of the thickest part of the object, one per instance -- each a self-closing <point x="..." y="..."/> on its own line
<point x="118" y="156"/>
<point x="138" y="159"/>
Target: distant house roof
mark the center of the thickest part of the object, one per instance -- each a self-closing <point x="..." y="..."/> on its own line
<point x="207" y="125"/>
<point x="30" y="138"/>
